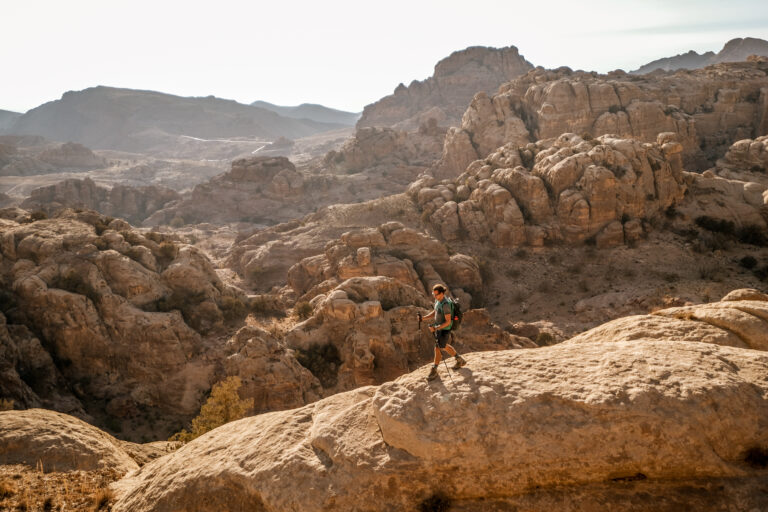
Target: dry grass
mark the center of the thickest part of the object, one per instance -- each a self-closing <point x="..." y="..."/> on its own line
<point x="23" y="488"/>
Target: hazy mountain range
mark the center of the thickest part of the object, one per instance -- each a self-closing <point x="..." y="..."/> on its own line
<point x="7" y="118"/>
<point x="312" y="112"/>
<point x="132" y="120"/>
<point x="734" y="50"/>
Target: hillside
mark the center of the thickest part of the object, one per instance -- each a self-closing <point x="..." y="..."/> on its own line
<point x="132" y="120"/>
<point x="7" y="118"/>
<point x="311" y="111"/>
<point x="735" y="50"/>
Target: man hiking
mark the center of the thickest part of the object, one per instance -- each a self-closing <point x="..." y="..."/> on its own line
<point x="441" y="328"/>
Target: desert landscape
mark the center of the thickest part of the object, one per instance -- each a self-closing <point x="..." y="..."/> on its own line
<point x="207" y="305"/>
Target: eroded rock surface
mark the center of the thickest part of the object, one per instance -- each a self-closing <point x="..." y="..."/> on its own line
<point x="625" y="423"/>
<point x="707" y="109"/>
<point x="52" y="441"/>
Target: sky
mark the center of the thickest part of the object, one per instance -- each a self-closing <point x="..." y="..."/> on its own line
<point x="342" y="54"/>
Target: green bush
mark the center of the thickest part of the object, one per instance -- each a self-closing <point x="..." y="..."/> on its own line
<point x="223" y="405"/>
<point x="303" y="310"/>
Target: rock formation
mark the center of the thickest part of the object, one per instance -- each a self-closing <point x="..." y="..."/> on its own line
<point x="566" y="189"/>
<point x="444" y="95"/>
<point x="400" y="154"/>
<point x="707" y="109"/>
<point x="42" y="157"/>
<point x="131" y="203"/>
<point x="120" y="315"/>
<point x="58" y="442"/>
<point x="735" y="50"/>
<point x="626" y="423"/>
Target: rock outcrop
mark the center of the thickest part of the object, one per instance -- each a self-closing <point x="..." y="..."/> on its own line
<point x="119" y="313"/>
<point x="623" y="423"/>
<point x="566" y="189"/>
<point x="444" y="95"/>
<point x="72" y="155"/>
<point x="51" y="441"/>
<point x="707" y="109"/>
<point x="400" y="154"/>
<point x="735" y="50"/>
<point x="131" y="203"/>
<point x="44" y="157"/>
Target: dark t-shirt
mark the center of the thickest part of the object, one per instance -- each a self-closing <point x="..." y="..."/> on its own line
<point x="443" y="308"/>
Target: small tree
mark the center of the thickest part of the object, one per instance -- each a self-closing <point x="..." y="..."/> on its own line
<point x="224" y="405"/>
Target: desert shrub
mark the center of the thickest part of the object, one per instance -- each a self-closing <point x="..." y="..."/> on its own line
<point x="614" y="109"/>
<point x="583" y="285"/>
<point x="554" y="259"/>
<point x="100" y="227"/>
<point x="102" y="499"/>
<point x="6" y="404"/>
<point x="670" y="277"/>
<point x="435" y="503"/>
<point x="7" y="489"/>
<point x="232" y="308"/>
<point x="303" y="310"/>
<point x="574" y="268"/>
<point x="544" y="339"/>
<point x="711" y="272"/>
<point x="521" y="254"/>
<point x="512" y="272"/>
<point x="544" y="287"/>
<point x="748" y="262"/>
<point x="762" y="273"/>
<point x="753" y="235"/>
<point x="586" y="136"/>
<point x="223" y="405"/>
<point x="716" y="225"/>
<point x="38" y="215"/>
<point x="323" y="361"/>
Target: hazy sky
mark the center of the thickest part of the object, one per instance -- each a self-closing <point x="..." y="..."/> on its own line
<point x="343" y="54"/>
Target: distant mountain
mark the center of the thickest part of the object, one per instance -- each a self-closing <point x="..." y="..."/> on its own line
<point x="445" y="95"/>
<point x="735" y="50"/>
<point x="312" y="112"/>
<point x="131" y="120"/>
<point x="7" y="118"/>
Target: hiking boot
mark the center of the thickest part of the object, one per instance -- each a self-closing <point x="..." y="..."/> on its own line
<point x="432" y="373"/>
<point x="459" y="362"/>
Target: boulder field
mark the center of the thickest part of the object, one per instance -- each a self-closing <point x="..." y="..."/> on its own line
<point x="655" y="420"/>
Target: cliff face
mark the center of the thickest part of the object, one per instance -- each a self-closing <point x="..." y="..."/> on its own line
<point x="707" y="109"/>
<point x="444" y="95"/>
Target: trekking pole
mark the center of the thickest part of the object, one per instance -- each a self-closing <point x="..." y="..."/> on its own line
<point x="437" y="346"/>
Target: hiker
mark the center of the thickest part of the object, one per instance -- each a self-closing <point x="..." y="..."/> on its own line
<point x="441" y="328"/>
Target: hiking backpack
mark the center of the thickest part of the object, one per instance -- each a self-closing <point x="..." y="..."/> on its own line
<point x="456" y="314"/>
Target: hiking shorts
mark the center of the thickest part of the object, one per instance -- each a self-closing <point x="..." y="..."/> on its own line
<point x="442" y="336"/>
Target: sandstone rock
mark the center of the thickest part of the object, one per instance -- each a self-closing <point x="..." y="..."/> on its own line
<point x="117" y="328"/>
<point x="707" y="109"/>
<point x="72" y="155"/>
<point x="58" y="442"/>
<point x="456" y="79"/>
<point x="679" y="414"/>
<point x="132" y="203"/>
<point x="569" y="189"/>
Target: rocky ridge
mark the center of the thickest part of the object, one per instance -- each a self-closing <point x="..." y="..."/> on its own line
<point x="444" y="95"/>
<point x="18" y="159"/>
<point x="131" y="203"/>
<point x="683" y="415"/>
<point x="735" y="50"/>
<point x="707" y="109"/>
